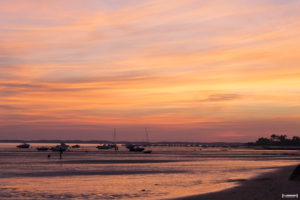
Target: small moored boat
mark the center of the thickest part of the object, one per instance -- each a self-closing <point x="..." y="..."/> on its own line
<point x="148" y="151"/>
<point x="76" y="146"/>
<point x="133" y="147"/>
<point x="106" y="146"/>
<point x="42" y="148"/>
<point x="23" y="146"/>
<point x="61" y="147"/>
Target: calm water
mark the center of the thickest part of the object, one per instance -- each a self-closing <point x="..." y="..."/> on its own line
<point x="168" y="172"/>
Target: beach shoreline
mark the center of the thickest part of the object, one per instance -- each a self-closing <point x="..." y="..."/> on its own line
<point x="168" y="173"/>
<point x="267" y="186"/>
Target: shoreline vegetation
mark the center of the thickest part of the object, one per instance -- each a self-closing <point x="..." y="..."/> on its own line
<point x="276" y="142"/>
<point x="268" y="186"/>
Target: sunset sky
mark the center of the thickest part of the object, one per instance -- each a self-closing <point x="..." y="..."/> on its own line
<point x="188" y="70"/>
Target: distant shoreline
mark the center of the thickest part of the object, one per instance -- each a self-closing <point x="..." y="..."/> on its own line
<point x="164" y="143"/>
<point x="219" y="144"/>
<point x="268" y="186"/>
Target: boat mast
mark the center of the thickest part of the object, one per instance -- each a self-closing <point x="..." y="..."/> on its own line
<point x="147" y="136"/>
<point x="115" y="136"/>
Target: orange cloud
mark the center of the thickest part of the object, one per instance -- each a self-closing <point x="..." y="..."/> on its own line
<point x="165" y="63"/>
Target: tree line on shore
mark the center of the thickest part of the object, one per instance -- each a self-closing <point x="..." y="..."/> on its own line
<point x="277" y="140"/>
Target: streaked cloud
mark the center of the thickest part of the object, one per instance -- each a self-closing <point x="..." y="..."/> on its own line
<point x="222" y="97"/>
<point x="159" y="63"/>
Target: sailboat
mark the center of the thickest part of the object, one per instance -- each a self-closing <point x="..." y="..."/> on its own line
<point x="148" y="142"/>
<point x="133" y="147"/>
<point x="110" y="146"/>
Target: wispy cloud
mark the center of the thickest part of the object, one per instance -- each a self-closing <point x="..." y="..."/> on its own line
<point x="149" y="62"/>
<point x="222" y="97"/>
<point x="7" y="107"/>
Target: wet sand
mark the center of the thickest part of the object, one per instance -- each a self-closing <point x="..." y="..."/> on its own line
<point x="269" y="186"/>
<point x="169" y="172"/>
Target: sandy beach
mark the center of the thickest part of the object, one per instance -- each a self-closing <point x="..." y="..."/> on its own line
<point x="167" y="173"/>
<point x="269" y="186"/>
